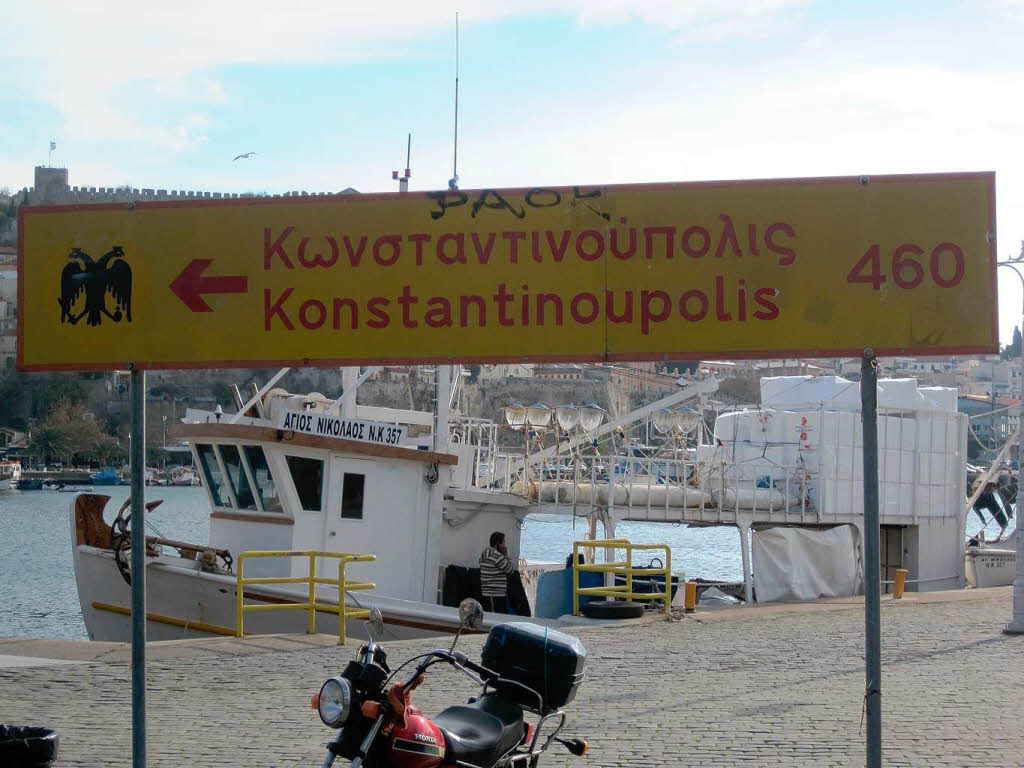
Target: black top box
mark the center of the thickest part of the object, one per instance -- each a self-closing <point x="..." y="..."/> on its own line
<point x="543" y="659"/>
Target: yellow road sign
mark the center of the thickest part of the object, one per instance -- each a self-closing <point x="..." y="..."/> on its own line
<point x="803" y="267"/>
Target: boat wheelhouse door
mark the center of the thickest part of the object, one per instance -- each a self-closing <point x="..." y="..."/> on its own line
<point x="379" y="507"/>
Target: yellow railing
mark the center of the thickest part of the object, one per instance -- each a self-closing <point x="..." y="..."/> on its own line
<point x="311" y="605"/>
<point x="625" y="567"/>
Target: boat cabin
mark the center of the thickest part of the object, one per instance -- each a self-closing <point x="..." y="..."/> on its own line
<point x="271" y="488"/>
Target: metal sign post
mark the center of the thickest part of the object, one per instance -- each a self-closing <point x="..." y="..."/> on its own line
<point x="872" y="578"/>
<point x="138" y="490"/>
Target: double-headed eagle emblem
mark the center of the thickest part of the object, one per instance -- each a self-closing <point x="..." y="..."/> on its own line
<point x="111" y="274"/>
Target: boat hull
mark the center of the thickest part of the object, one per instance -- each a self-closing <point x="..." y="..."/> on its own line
<point x="183" y="601"/>
<point x="990" y="567"/>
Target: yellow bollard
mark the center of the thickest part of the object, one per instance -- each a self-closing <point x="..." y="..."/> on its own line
<point x="899" y="583"/>
<point x="690" y="597"/>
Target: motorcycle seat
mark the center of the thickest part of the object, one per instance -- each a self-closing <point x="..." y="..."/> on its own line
<point x="481" y="732"/>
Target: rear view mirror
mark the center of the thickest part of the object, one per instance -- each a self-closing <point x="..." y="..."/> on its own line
<point x="376" y="624"/>
<point x="471" y="614"/>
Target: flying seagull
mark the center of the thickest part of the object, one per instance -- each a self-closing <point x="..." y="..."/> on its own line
<point x="247" y="154"/>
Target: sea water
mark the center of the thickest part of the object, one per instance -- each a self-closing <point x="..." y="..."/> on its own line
<point x="38" y="596"/>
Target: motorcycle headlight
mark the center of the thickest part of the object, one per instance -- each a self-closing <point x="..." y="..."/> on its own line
<point x="335" y="702"/>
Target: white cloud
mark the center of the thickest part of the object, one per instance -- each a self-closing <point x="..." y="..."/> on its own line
<point x="81" y="54"/>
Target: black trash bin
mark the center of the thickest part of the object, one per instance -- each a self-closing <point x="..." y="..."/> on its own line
<point x="27" y="747"/>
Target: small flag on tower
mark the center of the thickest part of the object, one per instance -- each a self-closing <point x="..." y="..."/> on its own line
<point x="53" y="145"/>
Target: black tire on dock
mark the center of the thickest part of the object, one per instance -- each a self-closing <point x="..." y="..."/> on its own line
<point x="27" y="747"/>
<point x="612" y="609"/>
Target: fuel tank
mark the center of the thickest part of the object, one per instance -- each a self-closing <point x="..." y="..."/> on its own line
<point x="420" y="744"/>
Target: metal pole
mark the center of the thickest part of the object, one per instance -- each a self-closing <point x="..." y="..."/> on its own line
<point x="872" y="573"/>
<point x="138" y="489"/>
<point x="1016" y="625"/>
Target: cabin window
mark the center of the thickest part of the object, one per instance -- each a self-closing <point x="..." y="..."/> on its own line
<point x="352" y="496"/>
<point x="212" y="476"/>
<point x="308" y="476"/>
<point x="261" y="476"/>
<point x="236" y="474"/>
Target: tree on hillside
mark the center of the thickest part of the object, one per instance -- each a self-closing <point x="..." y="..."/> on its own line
<point x="1014" y="349"/>
<point x="69" y="431"/>
<point x="107" y="451"/>
<point x="48" y="442"/>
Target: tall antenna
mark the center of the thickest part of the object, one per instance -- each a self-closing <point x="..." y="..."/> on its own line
<point x="453" y="182"/>
<point x="403" y="181"/>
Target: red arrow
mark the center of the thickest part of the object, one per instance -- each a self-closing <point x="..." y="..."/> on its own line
<point x="191" y="284"/>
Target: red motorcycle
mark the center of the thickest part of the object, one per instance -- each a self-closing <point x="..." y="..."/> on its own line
<point x="527" y="668"/>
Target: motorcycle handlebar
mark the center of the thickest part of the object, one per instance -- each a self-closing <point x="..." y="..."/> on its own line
<point x="457" y="659"/>
<point x="464" y="661"/>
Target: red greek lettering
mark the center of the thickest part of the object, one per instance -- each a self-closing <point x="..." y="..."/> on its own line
<point x="419" y="239"/>
<point x="582" y="252"/>
<point x="616" y="251"/>
<point x="460" y="249"/>
<point x="354" y="255"/>
<point x="728" y="238"/>
<point x="276" y="248"/>
<point x="558" y="249"/>
<point x="788" y="254"/>
<point x="318" y="259"/>
<point x="513" y="241"/>
<point x="392" y="241"/>
<point x="705" y="244"/>
<point x="669" y="234"/>
<point x="483" y="253"/>
<point x="752" y="240"/>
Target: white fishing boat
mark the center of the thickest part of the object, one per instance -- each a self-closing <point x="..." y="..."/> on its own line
<point x="991" y="563"/>
<point x="422" y="492"/>
<point x="184" y="476"/>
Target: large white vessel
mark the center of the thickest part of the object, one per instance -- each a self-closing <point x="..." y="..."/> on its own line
<point x="423" y="491"/>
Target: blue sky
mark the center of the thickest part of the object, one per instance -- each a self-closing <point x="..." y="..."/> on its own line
<point x="552" y="92"/>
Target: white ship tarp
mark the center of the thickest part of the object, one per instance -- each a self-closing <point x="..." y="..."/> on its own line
<point x="804" y="564"/>
<point x="835" y="393"/>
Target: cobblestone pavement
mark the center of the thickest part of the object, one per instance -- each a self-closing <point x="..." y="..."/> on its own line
<point x="773" y="687"/>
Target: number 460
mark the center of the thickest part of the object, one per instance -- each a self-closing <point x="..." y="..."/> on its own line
<point x="907" y="271"/>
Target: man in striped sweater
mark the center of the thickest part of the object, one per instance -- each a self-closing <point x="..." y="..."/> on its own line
<point x="494" y="569"/>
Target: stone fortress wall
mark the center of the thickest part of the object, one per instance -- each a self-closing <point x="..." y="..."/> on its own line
<point x="52" y="188"/>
